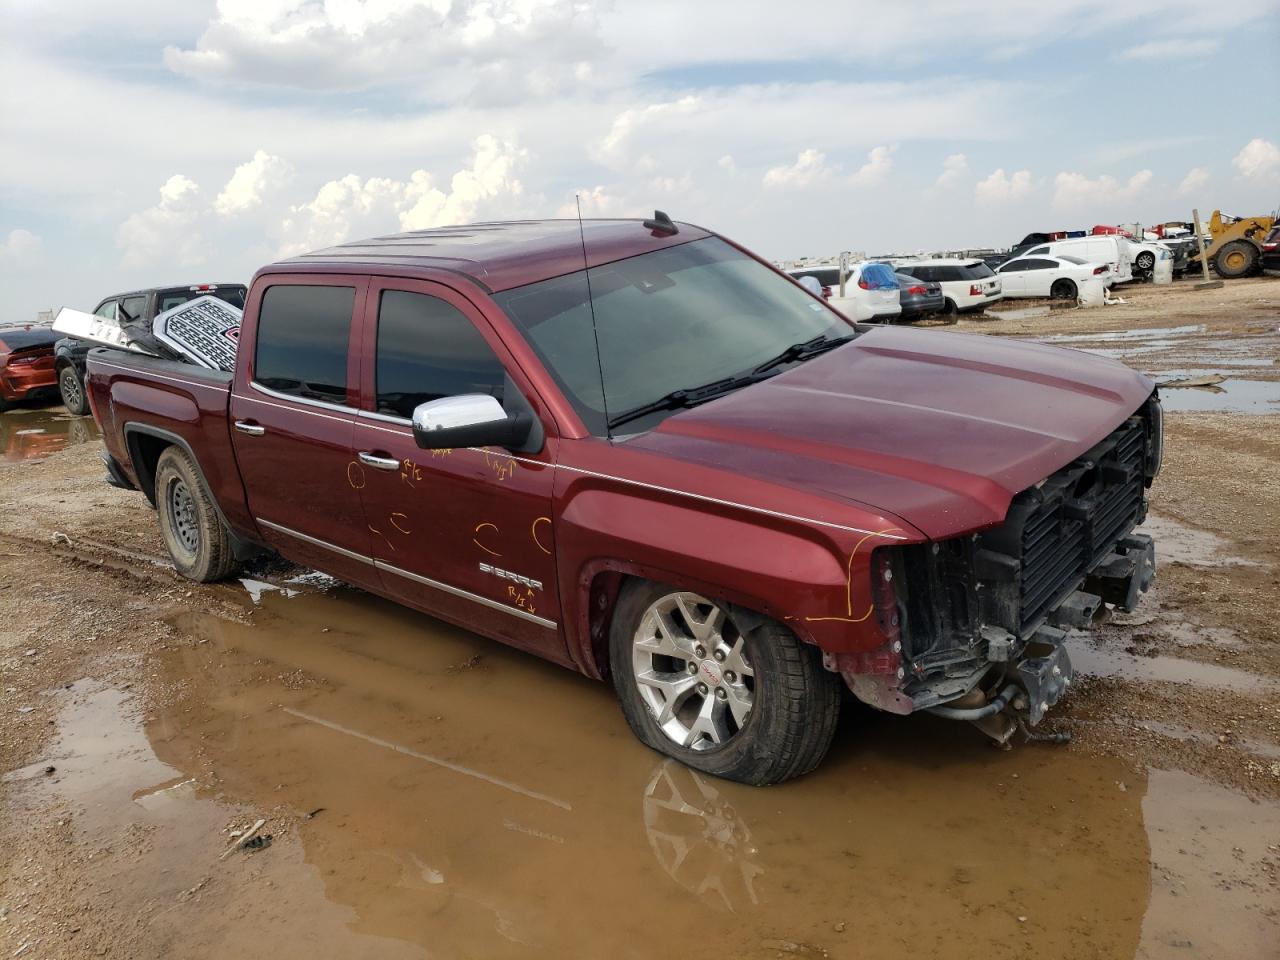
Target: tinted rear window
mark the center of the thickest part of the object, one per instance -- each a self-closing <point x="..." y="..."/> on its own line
<point x="978" y="271"/>
<point x="168" y="299"/>
<point x="427" y="349"/>
<point x="302" y="339"/>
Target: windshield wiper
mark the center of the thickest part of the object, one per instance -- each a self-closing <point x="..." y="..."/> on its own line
<point x="803" y="351"/>
<point x="690" y="397"/>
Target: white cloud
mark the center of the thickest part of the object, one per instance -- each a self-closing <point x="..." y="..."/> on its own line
<point x="1196" y="178"/>
<point x="460" y="49"/>
<point x="348" y="208"/>
<point x="879" y="162"/>
<point x="251" y="182"/>
<point x="1259" y="160"/>
<point x="999" y="188"/>
<point x="810" y="168"/>
<point x="1172" y="50"/>
<point x="1074" y="190"/>
<point x="953" y="168"/>
<point x="168" y="230"/>
<point x="19" y="246"/>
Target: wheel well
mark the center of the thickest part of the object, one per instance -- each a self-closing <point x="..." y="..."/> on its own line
<point x="602" y="600"/>
<point x="145" y="451"/>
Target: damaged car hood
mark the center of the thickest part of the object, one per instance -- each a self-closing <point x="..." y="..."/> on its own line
<point x="939" y="429"/>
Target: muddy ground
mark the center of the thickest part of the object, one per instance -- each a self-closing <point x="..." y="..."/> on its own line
<point x="430" y="793"/>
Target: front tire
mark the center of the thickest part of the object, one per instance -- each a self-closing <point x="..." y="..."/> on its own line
<point x="718" y="687"/>
<point x="1238" y="258"/>
<point x="1063" y="290"/>
<point x="197" y="539"/>
<point x="1145" y="261"/>
<point x="72" y="390"/>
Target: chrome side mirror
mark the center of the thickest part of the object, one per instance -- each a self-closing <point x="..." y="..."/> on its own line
<point x="468" y="420"/>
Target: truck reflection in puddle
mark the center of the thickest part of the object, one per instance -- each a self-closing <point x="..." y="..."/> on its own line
<point x="503" y="810"/>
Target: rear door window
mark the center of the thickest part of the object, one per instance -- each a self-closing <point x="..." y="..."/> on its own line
<point x="302" y="339"/>
<point x="428" y="349"/>
<point x="1040" y="265"/>
<point x="132" y="308"/>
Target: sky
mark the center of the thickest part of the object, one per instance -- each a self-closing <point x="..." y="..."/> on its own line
<point x="145" y="144"/>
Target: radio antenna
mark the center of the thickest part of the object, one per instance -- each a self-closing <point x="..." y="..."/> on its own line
<point x="595" y="333"/>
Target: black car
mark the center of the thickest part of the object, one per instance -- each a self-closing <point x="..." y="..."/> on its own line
<point x="135" y="311"/>
<point x="919" y="298"/>
<point x="1271" y="253"/>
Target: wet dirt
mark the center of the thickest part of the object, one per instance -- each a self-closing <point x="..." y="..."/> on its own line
<point x="33" y="433"/>
<point x="430" y="793"/>
<point x="450" y="826"/>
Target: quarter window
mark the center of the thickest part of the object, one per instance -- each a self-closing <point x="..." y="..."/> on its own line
<point x="303" y="332"/>
<point x="428" y="349"/>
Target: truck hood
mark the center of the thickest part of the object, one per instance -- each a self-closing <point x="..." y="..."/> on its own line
<point x="939" y="429"/>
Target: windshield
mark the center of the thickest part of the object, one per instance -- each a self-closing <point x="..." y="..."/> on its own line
<point x="168" y="299"/>
<point x="670" y="320"/>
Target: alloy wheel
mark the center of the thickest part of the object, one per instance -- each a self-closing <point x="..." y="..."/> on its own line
<point x="692" y="671"/>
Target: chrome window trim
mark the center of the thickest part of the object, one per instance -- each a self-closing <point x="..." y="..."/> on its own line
<point x="416" y="578"/>
<point x="293" y="398"/>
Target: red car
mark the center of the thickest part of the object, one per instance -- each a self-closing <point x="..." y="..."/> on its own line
<point x="26" y="363"/>
<point x="643" y="453"/>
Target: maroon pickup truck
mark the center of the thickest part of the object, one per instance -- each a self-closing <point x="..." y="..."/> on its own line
<point x="642" y="452"/>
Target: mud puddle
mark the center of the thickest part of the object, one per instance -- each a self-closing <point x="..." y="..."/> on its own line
<point x="1178" y="543"/>
<point x="1231" y="395"/>
<point x="1105" y="660"/>
<point x="468" y="800"/>
<point x="33" y="434"/>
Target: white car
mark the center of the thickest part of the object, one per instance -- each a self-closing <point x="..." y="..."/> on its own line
<point x="967" y="285"/>
<point x="1146" y="253"/>
<point x="1110" y="249"/>
<point x="1046" y="276"/>
<point x="871" y="293"/>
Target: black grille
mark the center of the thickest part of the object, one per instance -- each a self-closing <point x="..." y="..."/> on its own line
<point x="1068" y="523"/>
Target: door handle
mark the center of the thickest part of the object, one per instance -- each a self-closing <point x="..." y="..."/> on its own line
<point x="380" y="463"/>
<point x="252" y="429"/>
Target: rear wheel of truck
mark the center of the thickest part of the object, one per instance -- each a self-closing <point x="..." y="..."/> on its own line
<point x="72" y="390"/>
<point x="197" y="540"/>
<point x="1236" y="259"/>
<point x="720" y="688"/>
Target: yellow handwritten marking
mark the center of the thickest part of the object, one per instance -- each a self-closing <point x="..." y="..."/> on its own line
<point x="533" y="532"/>
<point x="479" y="527"/>
<point x="441" y="453"/>
<point x="355" y="475"/>
<point x="410" y="472"/>
<point x="501" y="465"/>
<point x="523" y="601"/>
<point x="848" y="585"/>
<point x="384" y="539"/>
<point x="403" y="516"/>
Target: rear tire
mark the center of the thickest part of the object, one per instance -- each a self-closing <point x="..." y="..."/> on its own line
<point x="1063" y="290"/>
<point x="1239" y="258"/>
<point x="198" y="541"/>
<point x="73" y="393"/>
<point x="728" y="692"/>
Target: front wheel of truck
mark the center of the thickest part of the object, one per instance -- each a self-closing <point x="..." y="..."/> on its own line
<point x="197" y="539"/>
<point x="720" y="688"/>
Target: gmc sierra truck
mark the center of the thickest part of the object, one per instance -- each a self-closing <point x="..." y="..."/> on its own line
<point x="638" y="450"/>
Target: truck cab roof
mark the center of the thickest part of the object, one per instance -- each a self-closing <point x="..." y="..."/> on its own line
<point x="497" y="256"/>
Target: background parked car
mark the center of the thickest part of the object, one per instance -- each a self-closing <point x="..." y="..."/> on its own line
<point x="1045" y="276"/>
<point x="26" y="363"/>
<point x="919" y="298"/>
<point x="135" y="310"/>
<point x="1111" y="250"/>
<point x="967" y="285"/>
<point x="829" y="277"/>
<point x="870" y="293"/>
<point x="1271" y="253"/>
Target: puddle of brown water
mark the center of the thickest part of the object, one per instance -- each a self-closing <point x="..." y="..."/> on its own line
<point x="1178" y="543"/>
<point x="1230" y="396"/>
<point x="499" y="806"/>
<point x="1099" y="660"/>
<point x="32" y="434"/>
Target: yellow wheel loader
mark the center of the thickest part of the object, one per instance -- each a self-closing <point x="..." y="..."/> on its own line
<point x="1234" y="247"/>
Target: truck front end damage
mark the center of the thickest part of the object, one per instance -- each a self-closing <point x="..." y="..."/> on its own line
<point x="975" y="625"/>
